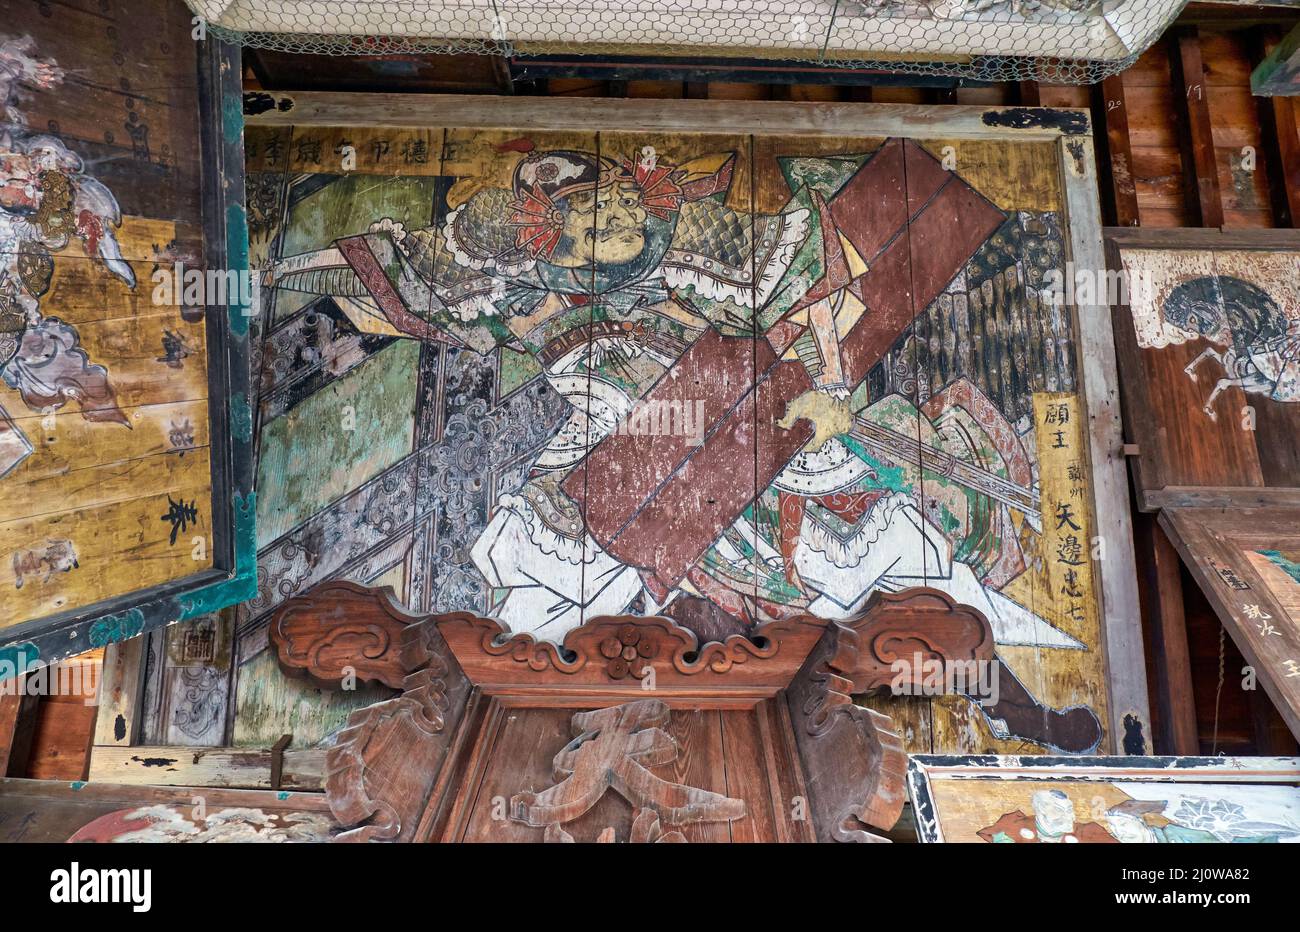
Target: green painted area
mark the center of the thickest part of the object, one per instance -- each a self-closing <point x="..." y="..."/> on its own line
<point x="887" y="477"/>
<point x="241" y="417"/>
<point x="345" y="207"/>
<point x="516" y="369"/>
<point x="77" y="784"/>
<point x="269" y="704"/>
<point x="243" y="584"/>
<point x="17" y="659"/>
<point x="1283" y="562"/>
<point x="117" y="627"/>
<point x="340" y="437"/>
<point x="237" y="258"/>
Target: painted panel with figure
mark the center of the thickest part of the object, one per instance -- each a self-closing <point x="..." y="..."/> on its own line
<point x="720" y="377"/>
<point x="1151" y="800"/>
<point x="1208" y="330"/>
<point x="105" y="466"/>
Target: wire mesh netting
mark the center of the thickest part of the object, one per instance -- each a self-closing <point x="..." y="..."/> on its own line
<point x="1057" y="41"/>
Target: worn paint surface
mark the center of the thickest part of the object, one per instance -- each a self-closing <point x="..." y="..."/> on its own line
<point x="682" y="374"/>
<point x="106" y="492"/>
<point x="1129" y="811"/>
<point x="102" y="390"/>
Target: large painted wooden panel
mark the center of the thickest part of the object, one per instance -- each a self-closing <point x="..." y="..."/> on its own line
<point x="721" y="376"/>
<point x="106" y="454"/>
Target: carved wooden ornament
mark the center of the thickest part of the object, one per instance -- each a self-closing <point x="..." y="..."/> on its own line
<point x="772" y="714"/>
<point x="613" y="747"/>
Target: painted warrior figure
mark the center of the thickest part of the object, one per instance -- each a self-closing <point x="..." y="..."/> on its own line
<point x="47" y="200"/>
<point x="782" y="488"/>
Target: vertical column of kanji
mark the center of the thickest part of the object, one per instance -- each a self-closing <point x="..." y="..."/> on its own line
<point x="1065" y="703"/>
<point x="516" y="267"/>
<point x="1005" y="456"/>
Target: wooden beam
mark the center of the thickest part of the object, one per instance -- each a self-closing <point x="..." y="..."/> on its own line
<point x="248" y="768"/>
<point x="1281" y="144"/>
<point x="120" y="688"/>
<point x="1160" y="567"/>
<point x="17" y="725"/>
<point x="1110" y="111"/>
<point x="1030" y="96"/>
<point x="1209" y="496"/>
<point x="501" y="71"/>
<point x="1191" y="103"/>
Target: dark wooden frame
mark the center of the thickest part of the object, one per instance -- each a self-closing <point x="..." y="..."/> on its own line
<point x="232" y="577"/>
<point x="1253" y="770"/>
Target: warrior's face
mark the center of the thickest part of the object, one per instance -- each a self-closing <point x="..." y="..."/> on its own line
<point x="607" y="223"/>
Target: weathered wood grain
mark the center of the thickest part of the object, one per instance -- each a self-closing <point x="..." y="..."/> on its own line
<point x="1196" y="138"/>
<point x="186" y="765"/>
<point x="121" y="690"/>
<point x="316" y="108"/>
<point x="17" y="727"/>
<point x="52" y="812"/>
<point x="1126" y="676"/>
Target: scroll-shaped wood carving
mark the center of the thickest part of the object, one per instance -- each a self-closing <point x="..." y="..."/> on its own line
<point x="395" y="757"/>
<point x="341" y="627"/>
<point x="904" y="634"/>
<point x="612" y="749"/>
<point x="379" y="774"/>
<point x="623" y="646"/>
<point x="854" y="763"/>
